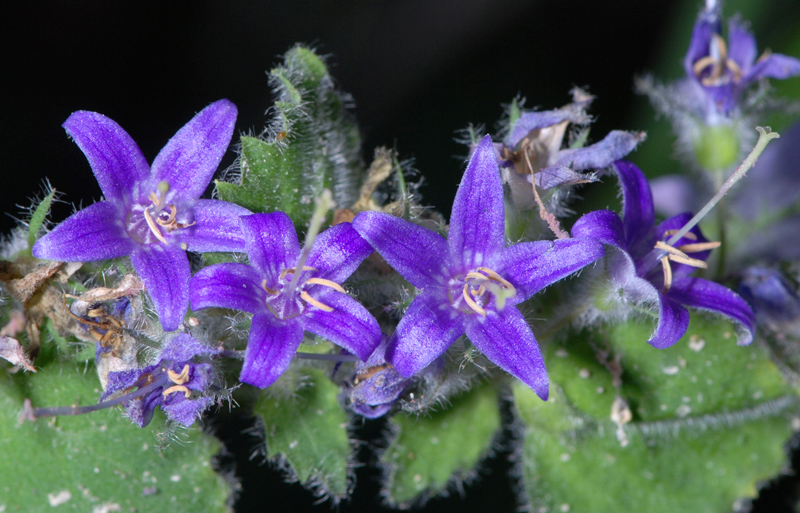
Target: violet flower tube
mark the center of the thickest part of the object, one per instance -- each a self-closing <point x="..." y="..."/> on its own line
<point x="471" y="282"/>
<point x="151" y="214"/>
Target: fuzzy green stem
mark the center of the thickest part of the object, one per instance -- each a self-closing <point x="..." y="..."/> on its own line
<point x="764" y="137"/>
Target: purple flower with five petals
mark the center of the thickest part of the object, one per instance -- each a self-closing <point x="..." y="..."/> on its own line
<point x="634" y="268"/>
<point x="471" y="282"/>
<point x="286" y="301"/>
<point x="152" y="213"/>
<point x="177" y="383"/>
<point x="725" y="71"/>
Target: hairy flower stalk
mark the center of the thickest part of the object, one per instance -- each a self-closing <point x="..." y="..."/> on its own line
<point x="471" y="282"/>
<point x="151" y="214"/>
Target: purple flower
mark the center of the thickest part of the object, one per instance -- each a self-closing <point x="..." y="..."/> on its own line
<point x="533" y="150"/>
<point x="286" y="301"/>
<point x="152" y="213"/>
<point x="176" y="383"/>
<point x="635" y="271"/>
<point x="773" y="298"/>
<point x="725" y="71"/>
<point x="377" y="385"/>
<point x="471" y="282"/>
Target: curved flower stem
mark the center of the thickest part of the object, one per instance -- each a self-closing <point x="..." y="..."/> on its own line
<point x="764" y="137"/>
<point x="30" y="413"/>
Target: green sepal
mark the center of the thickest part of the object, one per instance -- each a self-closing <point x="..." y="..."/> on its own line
<point x="313" y="145"/>
<point x="38" y="217"/>
<point x="308" y="430"/>
<point x="429" y="452"/>
<point x="708" y="421"/>
<point x="88" y="462"/>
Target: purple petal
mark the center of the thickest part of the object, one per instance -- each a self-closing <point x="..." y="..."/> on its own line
<point x="477" y="223"/>
<point x="428" y="328"/>
<point x="616" y="145"/>
<point x="674" y="194"/>
<point x="141" y="410"/>
<point x="271" y="243"/>
<point x="772" y="297"/>
<point x="637" y="203"/>
<point x="775" y="66"/>
<point x="349" y="325"/>
<point x="703" y="30"/>
<point x="418" y="254"/>
<point x="532" y="266"/>
<point x="713" y="297"/>
<point x="230" y="285"/>
<point x="603" y="226"/>
<point x="531" y="121"/>
<point x="165" y="272"/>
<point x="189" y="159"/>
<point x="741" y="45"/>
<point x="122" y="380"/>
<point x="183" y="348"/>
<point x="216" y="227"/>
<point x="270" y="349"/>
<point x="116" y="160"/>
<point x="337" y="252"/>
<point x="673" y="320"/>
<point x="507" y="340"/>
<point x="94" y="233"/>
<point x="559" y="174"/>
<point x="185" y="411"/>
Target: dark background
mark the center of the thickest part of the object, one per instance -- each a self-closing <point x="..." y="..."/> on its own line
<point x="418" y="70"/>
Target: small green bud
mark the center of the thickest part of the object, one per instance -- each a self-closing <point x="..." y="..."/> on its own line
<point x="717" y="148"/>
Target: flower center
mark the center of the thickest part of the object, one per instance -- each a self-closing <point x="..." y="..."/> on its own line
<point x="679" y="254"/>
<point x="150" y="223"/>
<point x="472" y="293"/>
<point x="711" y="69"/>
<point x="284" y="301"/>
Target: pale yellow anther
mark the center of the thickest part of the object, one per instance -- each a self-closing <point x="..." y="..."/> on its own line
<point x="667" y="273"/>
<point x="499" y="279"/>
<point x="687" y="235"/>
<point x="699" y="246"/>
<point x="735" y="69"/>
<point x="153" y="226"/>
<point x="173" y="211"/>
<point x="764" y="56"/>
<point x="177" y="388"/>
<point x="683" y="259"/>
<point x="310" y="300"/>
<point x="326" y="283"/>
<point x="292" y="270"/>
<point x="472" y="304"/>
<point x="269" y="290"/>
<point x="179" y="379"/>
<point x="155" y="199"/>
<point x="701" y="64"/>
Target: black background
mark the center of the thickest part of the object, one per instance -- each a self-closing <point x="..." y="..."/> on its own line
<point x="418" y="70"/>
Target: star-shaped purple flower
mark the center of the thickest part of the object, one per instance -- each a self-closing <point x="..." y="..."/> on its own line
<point x="176" y="382"/>
<point x="666" y="288"/>
<point x="286" y="301"/>
<point x="152" y="213"/>
<point x="725" y="71"/>
<point x="471" y="282"/>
